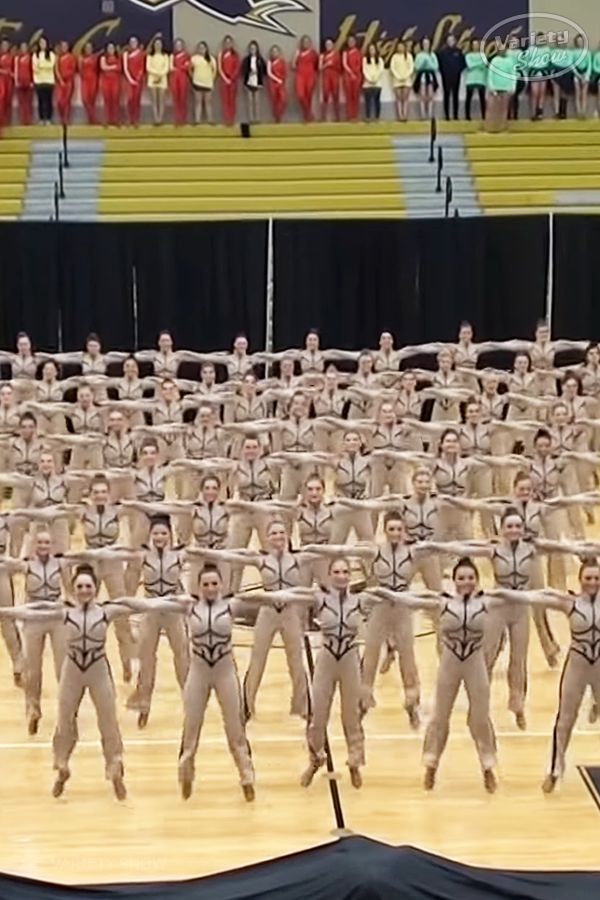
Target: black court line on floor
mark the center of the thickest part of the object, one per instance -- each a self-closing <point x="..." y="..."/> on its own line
<point x="591" y="778"/>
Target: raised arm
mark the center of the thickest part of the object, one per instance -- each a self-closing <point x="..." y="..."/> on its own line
<point x="405" y="598"/>
<point x="282" y="457"/>
<point x="409" y="456"/>
<point x="374" y="504"/>
<point x="47" y="513"/>
<point x="576" y="548"/>
<point x="291" y="595"/>
<point x="547" y="597"/>
<point x="360" y="550"/>
<point x="28" y="612"/>
<point x="341" y="355"/>
<point x="591" y="498"/>
<point x="127" y="606"/>
<point x="418" y="349"/>
<point x="125" y="554"/>
<point x="501" y="462"/>
<point x="210" y="464"/>
<point x="482" y="549"/>
<point x="459" y="395"/>
<point x="495" y="505"/>
<point x="233" y="557"/>
<point x="172" y="508"/>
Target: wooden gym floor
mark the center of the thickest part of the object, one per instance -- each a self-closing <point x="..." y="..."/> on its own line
<point x="88" y="837"/>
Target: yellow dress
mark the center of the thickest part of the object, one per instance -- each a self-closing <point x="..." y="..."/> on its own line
<point x="402" y="69"/>
<point x="157" y="69"/>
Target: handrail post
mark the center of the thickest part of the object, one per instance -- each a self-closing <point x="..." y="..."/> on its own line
<point x="432" y="139"/>
<point x="65" y="144"/>
<point x="448" y="195"/>
<point x="440" y="168"/>
<point x="61" y="179"/>
<point x="56" y="203"/>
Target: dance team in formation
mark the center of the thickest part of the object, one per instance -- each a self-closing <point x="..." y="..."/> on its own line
<point x="350" y="481"/>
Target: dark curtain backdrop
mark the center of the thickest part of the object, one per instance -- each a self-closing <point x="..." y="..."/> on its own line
<point x="416" y="278"/>
<point x="576" y="309"/>
<point x="29" y="283"/>
<point x="95" y="274"/>
<point x="352" y="279"/>
<point x="204" y="281"/>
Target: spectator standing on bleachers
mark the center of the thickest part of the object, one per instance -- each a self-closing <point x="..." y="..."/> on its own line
<point x="229" y="66"/>
<point x="157" y="66"/>
<point x="502" y="83"/>
<point x="88" y="74"/>
<point x="426" y="80"/>
<point x="582" y="69"/>
<point x="330" y="66"/>
<point x="179" y="81"/>
<point x="204" y="73"/>
<point x="134" y="68"/>
<point x="277" y="71"/>
<point x="452" y="62"/>
<point x="352" y="66"/>
<point x="538" y="69"/>
<point x="110" y="84"/>
<point x="44" y="77"/>
<point x="24" y="84"/>
<point x="518" y="61"/>
<point x="373" y="72"/>
<point x="562" y="79"/>
<point x="595" y="77"/>
<point x="7" y="81"/>
<point x="66" y="69"/>
<point x="476" y="75"/>
<point x="306" y="64"/>
<point x="402" y="68"/>
<point x="254" y="73"/>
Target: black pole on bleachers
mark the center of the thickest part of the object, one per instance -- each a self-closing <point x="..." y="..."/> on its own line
<point x="65" y="144"/>
<point x="61" y="176"/>
<point x="448" y="195"/>
<point x="456" y="213"/>
<point x="440" y="169"/>
<point x="56" y="203"/>
<point x="432" y="139"/>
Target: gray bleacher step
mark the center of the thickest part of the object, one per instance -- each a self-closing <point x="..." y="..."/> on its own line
<point x="85" y="206"/>
<point x="440" y="212"/>
<point x="51" y="162"/>
<point x="71" y="176"/>
<point x="73" y="146"/>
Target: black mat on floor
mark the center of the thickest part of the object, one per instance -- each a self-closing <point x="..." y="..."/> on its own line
<point x="591" y="779"/>
<point x="353" y="868"/>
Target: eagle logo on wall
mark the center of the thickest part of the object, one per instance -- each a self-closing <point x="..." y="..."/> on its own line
<point x="259" y="13"/>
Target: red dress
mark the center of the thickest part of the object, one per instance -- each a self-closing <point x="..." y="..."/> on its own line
<point x="66" y="69"/>
<point x="134" y="71"/>
<point x="110" y="86"/>
<point x="24" y="87"/>
<point x="277" y="71"/>
<point x="88" y="73"/>
<point x="352" y="65"/>
<point x="307" y="62"/>
<point x="7" y="85"/>
<point x="179" y="81"/>
<point x="331" y="70"/>
<point x="229" y="65"/>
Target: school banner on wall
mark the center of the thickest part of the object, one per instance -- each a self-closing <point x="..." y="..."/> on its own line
<point x="385" y="22"/>
<point x="78" y="21"/>
<point x="266" y="21"/>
